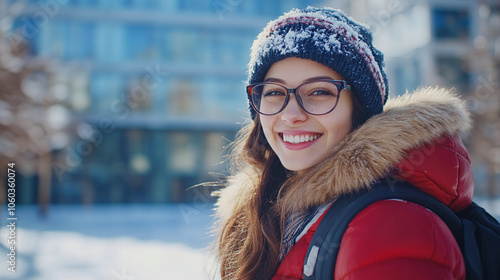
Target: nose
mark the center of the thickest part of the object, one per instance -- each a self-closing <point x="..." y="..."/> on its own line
<point x="293" y="113"/>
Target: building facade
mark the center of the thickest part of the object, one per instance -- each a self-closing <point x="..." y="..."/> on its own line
<point x="154" y="91"/>
<point x="455" y="44"/>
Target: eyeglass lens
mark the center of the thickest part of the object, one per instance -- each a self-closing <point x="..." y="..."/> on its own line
<point x="317" y="97"/>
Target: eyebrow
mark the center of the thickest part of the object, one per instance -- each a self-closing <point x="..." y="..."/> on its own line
<point x="276" y="80"/>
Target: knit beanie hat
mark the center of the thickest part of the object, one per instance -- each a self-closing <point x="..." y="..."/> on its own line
<point x="331" y="38"/>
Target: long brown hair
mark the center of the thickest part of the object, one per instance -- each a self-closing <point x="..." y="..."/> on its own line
<point x="254" y="252"/>
<point x="250" y="239"/>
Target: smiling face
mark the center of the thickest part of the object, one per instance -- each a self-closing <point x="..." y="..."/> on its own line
<point x="299" y="139"/>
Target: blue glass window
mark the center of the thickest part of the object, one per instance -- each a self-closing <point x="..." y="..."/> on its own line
<point x="79" y="40"/>
<point x="109" y="42"/>
<point x="450" y="24"/>
<point x="81" y="3"/>
<point x="141" y="42"/>
<point x="107" y="91"/>
<point x="454" y="72"/>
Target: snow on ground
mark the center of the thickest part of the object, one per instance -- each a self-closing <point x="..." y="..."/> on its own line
<point x="117" y="242"/>
<point x="67" y="255"/>
<point x="114" y="242"/>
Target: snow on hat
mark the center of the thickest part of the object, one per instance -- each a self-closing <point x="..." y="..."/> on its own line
<point x="331" y="38"/>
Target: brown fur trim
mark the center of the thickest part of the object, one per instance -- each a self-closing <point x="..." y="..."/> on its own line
<point x="240" y="189"/>
<point x="368" y="153"/>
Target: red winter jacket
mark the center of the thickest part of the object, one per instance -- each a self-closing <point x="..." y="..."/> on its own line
<point x="413" y="139"/>
<point x="394" y="239"/>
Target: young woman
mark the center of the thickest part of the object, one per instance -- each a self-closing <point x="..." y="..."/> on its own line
<point x="323" y="126"/>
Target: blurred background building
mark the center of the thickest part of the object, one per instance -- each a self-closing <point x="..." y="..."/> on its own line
<point x="134" y="101"/>
<point x="130" y="101"/>
<point x="446" y="43"/>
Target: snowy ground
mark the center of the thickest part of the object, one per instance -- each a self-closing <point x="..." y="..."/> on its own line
<point x="116" y="242"/>
<point x="123" y="242"/>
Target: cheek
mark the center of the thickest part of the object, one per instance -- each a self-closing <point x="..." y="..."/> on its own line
<point x="346" y="114"/>
<point x="340" y="126"/>
<point x="267" y="126"/>
<point x="346" y="124"/>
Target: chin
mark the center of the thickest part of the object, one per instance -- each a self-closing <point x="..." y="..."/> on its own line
<point x="296" y="166"/>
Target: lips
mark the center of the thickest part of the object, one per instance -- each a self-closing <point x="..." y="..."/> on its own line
<point x="298" y="140"/>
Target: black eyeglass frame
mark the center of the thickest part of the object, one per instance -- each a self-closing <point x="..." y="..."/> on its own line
<point x="340" y="84"/>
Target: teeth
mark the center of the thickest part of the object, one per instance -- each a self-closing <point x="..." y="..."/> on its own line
<point x="299" y="138"/>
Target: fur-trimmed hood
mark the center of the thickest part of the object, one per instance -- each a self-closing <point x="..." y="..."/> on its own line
<point x="369" y="153"/>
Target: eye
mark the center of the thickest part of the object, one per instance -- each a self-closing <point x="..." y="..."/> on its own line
<point x="274" y="93"/>
<point x="320" y="92"/>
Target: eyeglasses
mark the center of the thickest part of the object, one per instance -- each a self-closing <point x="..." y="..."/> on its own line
<point x="316" y="97"/>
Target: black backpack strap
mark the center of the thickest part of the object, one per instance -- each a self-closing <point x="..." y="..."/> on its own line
<point x="481" y="244"/>
<point x="321" y="256"/>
